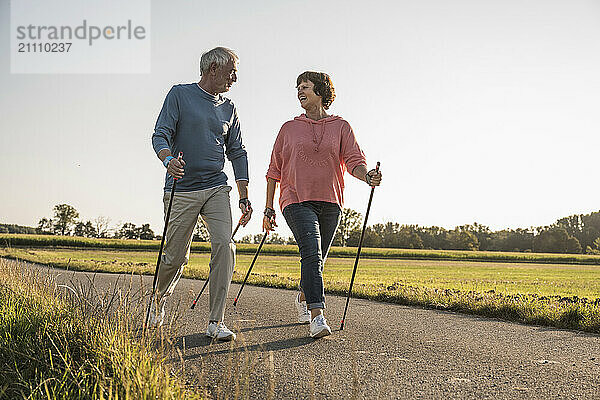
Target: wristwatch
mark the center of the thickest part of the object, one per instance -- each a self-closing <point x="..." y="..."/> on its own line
<point x="269" y="212"/>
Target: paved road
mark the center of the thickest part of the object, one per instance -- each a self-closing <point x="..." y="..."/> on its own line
<point x="385" y="351"/>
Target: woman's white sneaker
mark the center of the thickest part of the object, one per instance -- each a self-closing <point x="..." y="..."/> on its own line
<point x="319" y="327"/>
<point x="219" y="331"/>
<point x="303" y="313"/>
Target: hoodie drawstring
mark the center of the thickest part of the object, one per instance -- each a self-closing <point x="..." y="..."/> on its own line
<point x="316" y="140"/>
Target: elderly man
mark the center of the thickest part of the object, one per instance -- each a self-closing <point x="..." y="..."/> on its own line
<point x="197" y="121"/>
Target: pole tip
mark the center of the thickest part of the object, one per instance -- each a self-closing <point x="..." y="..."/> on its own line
<point x="193" y="305"/>
<point x="342" y="326"/>
<point x="235" y="302"/>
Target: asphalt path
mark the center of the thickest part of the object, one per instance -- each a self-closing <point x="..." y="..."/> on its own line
<point x="385" y="351"/>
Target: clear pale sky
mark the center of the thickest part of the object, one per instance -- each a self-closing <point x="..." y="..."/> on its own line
<point x="478" y="110"/>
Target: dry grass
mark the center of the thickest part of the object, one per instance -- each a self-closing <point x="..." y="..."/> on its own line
<point x="71" y="342"/>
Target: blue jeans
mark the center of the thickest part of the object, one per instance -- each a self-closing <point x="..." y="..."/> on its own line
<point x="313" y="224"/>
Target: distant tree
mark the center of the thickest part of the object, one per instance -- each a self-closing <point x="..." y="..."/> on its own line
<point x="375" y="235"/>
<point x="389" y="235"/>
<point x="201" y="232"/>
<point x="79" y="228"/>
<point x="573" y="245"/>
<point x="585" y="228"/>
<point x="45" y="227"/>
<point x="551" y="240"/>
<point x="511" y="240"/>
<point x="372" y="237"/>
<point x="274" y="238"/>
<point x="433" y="237"/>
<point x="350" y="220"/>
<point x="407" y="238"/>
<point x="101" y="225"/>
<point x="573" y="224"/>
<point x="291" y="240"/>
<point x="65" y="217"/>
<point x="246" y="239"/>
<point x="594" y="248"/>
<point x="482" y="232"/>
<point x="128" y="231"/>
<point x="85" y="229"/>
<point x="591" y="229"/>
<point x="257" y="238"/>
<point x="145" y="233"/>
<point x="460" y="239"/>
<point x="13" y="228"/>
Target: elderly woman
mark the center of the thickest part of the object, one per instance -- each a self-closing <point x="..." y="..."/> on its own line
<point x="309" y="158"/>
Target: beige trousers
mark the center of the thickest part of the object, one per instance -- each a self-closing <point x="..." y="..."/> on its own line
<point x="213" y="206"/>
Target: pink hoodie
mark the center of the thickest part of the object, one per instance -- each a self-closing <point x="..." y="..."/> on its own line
<point x="309" y="159"/>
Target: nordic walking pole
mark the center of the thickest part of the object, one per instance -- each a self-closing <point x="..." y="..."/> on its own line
<point x="362" y="236"/>
<point x="250" y="269"/>
<point x="162" y="243"/>
<point x="206" y="283"/>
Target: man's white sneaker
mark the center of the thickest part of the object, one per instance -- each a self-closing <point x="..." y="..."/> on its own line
<point x="303" y="313"/>
<point x="156" y="318"/>
<point x="319" y="327"/>
<point x="219" y="331"/>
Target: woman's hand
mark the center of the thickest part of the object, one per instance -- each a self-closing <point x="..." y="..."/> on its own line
<point x="373" y="177"/>
<point x="269" y="220"/>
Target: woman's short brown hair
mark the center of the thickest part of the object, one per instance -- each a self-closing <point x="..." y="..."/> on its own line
<point x="323" y="85"/>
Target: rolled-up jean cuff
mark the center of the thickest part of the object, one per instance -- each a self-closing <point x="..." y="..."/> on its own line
<point x="312" y="306"/>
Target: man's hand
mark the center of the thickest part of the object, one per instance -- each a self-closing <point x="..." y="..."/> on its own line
<point x="373" y="177"/>
<point x="175" y="167"/>
<point x="246" y="209"/>
<point x="269" y="220"/>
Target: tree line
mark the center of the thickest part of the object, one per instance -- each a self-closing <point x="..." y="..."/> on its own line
<point x="578" y="233"/>
<point x="66" y="222"/>
<point x="574" y="234"/>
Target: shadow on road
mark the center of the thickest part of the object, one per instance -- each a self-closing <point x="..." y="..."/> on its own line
<point x="260" y="328"/>
<point x="201" y="341"/>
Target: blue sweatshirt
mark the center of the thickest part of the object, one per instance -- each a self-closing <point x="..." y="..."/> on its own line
<point x="205" y="128"/>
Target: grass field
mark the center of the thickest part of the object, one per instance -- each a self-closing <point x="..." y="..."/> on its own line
<point x="13" y="240"/>
<point x="506" y="278"/>
<point x="560" y="295"/>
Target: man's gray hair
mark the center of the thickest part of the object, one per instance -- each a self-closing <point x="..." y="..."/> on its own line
<point x="219" y="56"/>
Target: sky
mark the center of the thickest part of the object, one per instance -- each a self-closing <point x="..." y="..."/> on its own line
<point x="478" y="110"/>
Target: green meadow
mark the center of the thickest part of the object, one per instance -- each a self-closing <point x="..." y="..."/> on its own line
<point x="19" y="240"/>
<point x="503" y="277"/>
<point x="561" y="295"/>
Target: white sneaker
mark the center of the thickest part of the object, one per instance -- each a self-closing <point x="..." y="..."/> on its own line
<point x="219" y="331"/>
<point x="303" y="313"/>
<point x="319" y="327"/>
<point x="156" y="319"/>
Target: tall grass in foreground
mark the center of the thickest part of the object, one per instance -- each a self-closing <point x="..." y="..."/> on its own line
<point x="57" y="344"/>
